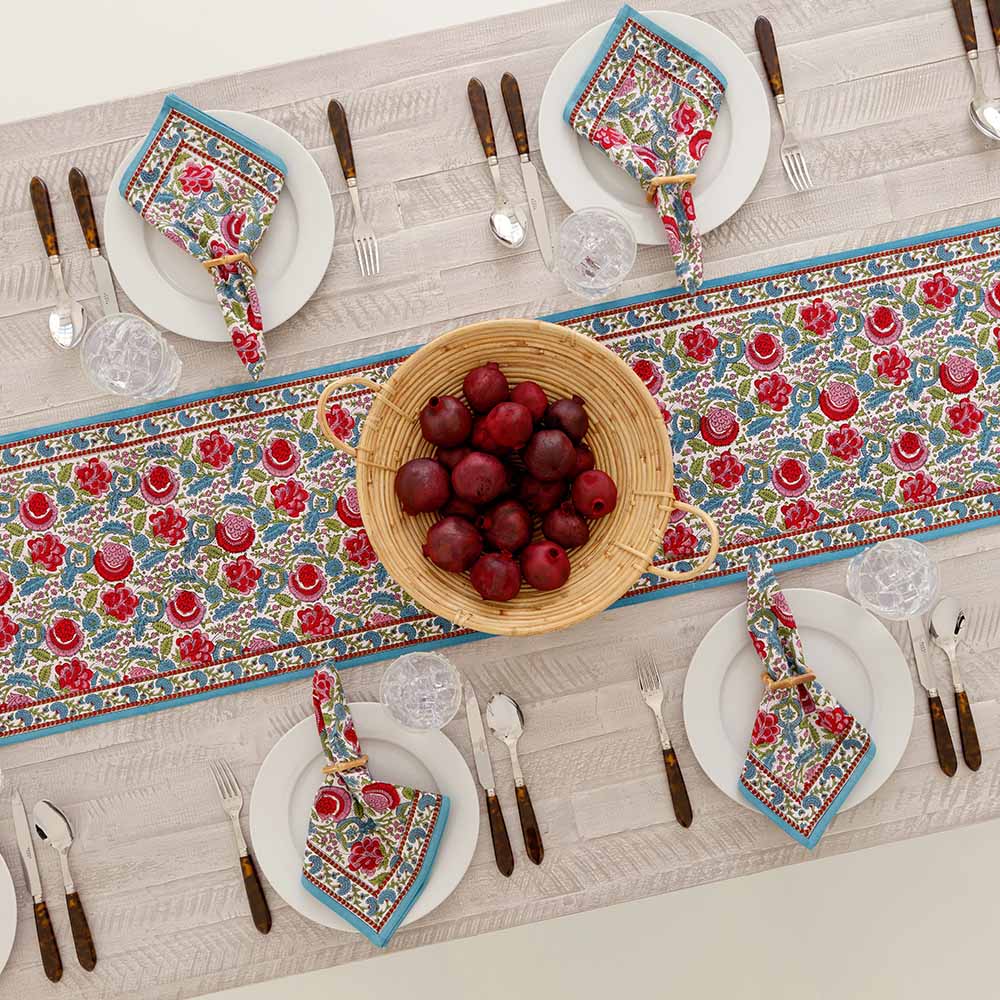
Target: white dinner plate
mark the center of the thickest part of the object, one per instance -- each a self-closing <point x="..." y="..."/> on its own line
<point x="853" y="655"/>
<point x="585" y="177"/>
<point x="292" y="772"/>
<point x="173" y="289"/>
<point x="8" y="913"/>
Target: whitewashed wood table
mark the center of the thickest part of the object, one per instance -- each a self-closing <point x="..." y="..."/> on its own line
<point x="881" y="94"/>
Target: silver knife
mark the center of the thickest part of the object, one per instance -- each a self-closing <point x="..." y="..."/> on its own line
<point x="939" y="723"/>
<point x="515" y="115"/>
<point x="51" y="961"/>
<point x="484" y="769"/>
<point x="88" y="223"/>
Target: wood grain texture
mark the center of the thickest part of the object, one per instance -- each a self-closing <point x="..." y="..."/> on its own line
<point x="879" y="91"/>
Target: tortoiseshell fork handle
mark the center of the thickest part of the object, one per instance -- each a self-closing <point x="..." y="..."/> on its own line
<point x="83" y="941"/>
<point x="967" y="730"/>
<point x="80" y="191"/>
<point x="498" y="830"/>
<point x="678" y="790"/>
<point x="993" y="6"/>
<point x="51" y="962"/>
<point x="966" y="25"/>
<point x="515" y="112"/>
<point x="769" y="55"/>
<point x="341" y="138"/>
<point x="942" y="736"/>
<point x="533" y="846"/>
<point x="481" y="113"/>
<point x="255" y="895"/>
<point x="43" y="216"/>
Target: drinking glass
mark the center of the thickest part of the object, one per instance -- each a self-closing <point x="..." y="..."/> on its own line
<point x="596" y="250"/>
<point x="127" y="355"/>
<point x="895" y="579"/>
<point x="421" y="690"/>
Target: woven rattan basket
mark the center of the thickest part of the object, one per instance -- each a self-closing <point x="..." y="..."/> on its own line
<point x="627" y="436"/>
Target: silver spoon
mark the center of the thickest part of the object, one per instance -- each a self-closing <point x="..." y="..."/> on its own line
<point x="53" y="827"/>
<point x="506" y="722"/>
<point x="984" y="111"/>
<point x="948" y="621"/>
<point x="67" y="321"/>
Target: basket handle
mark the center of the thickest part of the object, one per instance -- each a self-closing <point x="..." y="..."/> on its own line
<point x="332" y="387"/>
<point x="713" y="547"/>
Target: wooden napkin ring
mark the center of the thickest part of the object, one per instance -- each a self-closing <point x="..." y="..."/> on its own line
<point x="229" y="258"/>
<point x="658" y="182"/>
<point x="787" y="682"/>
<point x="346" y="765"/>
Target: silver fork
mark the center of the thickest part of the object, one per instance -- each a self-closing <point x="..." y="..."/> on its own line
<point x="365" y="242"/>
<point x="652" y="693"/>
<point x="232" y="804"/>
<point x="791" y="152"/>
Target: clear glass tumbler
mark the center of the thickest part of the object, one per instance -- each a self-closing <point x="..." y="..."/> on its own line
<point x="421" y="690"/>
<point x="127" y="355"/>
<point x="595" y="252"/>
<point x="895" y="579"/>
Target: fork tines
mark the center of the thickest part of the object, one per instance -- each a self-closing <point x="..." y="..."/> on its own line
<point x="649" y="676"/>
<point x="795" y="168"/>
<point x="225" y="781"/>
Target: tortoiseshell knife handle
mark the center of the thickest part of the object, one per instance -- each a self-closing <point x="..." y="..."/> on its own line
<point x="769" y="55"/>
<point x="498" y="830"/>
<point x="678" y="790"/>
<point x="533" y="846"/>
<point x="967" y="730"/>
<point x="966" y="25"/>
<point x="83" y="940"/>
<point x="515" y="112"/>
<point x="255" y="895"/>
<point x="341" y="138"/>
<point x="942" y="736"/>
<point x="51" y="962"/>
<point x="43" y="216"/>
<point x="993" y="6"/>
<point x="80" y="191"/>
<point x="481" y="113"/>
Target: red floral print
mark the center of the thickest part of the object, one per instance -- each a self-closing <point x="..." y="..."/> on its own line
<point x="964" y="417"/>
<point x="773" y="390"/>
<point x="845" y="443"/>
<point x="608" y="138"/>
<point x="317" y="621"/>
<point x="216" y="449"/>
<point x="37" y="511"/>
<point x="8" y="629"/>
<point x="764" y="352"/>
<point x="195" y="648"/>
<point x="919" y="489"/>
<point x="281" y="458"/>
<point x="651" y="375"/>
<point x="959" y="375"/>
<point x="883" y="325"/>
<point x="380" y="796"/>
<point x="835" y="720"/>
<point x="727" y="470"/>
<point x="196" y="178"/>
<point x="231" y="226"/>
<point x="893" y="365"/>
<point x="719" y="427"/>
<point x="699" y="344"/>
<point x="306" y="582"/>
<point x="290" y="496"/>
<point x="74" y="675"/>
<point x="160" y="485"/>
<point x="254" y="318"/>
<point x="94" y="477"/>
<point x="168" y="524"/>
<point x="64" y="637"/>
<point x="120" y="602"/>
<point x="366" y="855"/>
<point x="235" y="533"/>
<point x="247" y="346"/>
<point x="687" y="200"/>
<point x="760" y="647"/>
<point x="47" y="551"/>
<point x="908" y="452"/>
<point x="113" y="562"/>
<point x="683" y="119"/>
<point x="782" y="610"/>
<point x="765" y="729"/>
<point x="185" y="609"/>
<point x="223" y="271"/>
<point x="242" y="575"/>
<point x="647" y="156"/>
<point x="359" y="548"/>
<point x="839" y="401"/>
<point x="341" y="422"/>
<point x="800" y="515"/>
<point x="349" y="509"/>
<point x="790" y="477"/>
<point x="699" y="143"/>
<point x="680" y="542"/>
<point x="322" y="686"/>
<point x="333" y="803"/>
<point x="351" y="736"/>
<point x="6" y="589"/>
<point x="818" y="317"/>
<point x="939" y="292"/>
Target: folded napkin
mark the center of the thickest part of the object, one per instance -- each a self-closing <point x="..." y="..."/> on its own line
<point x="806" y="750"/>
<point x="211" y="191"/>
<point x="650" y="101"/>
<point x="371" y="845"/>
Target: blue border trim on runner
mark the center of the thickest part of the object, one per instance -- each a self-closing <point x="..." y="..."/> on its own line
<point x="813" y="839"/>
<point x="173" y="102"/>
<point x="625" y="14"/>
<point x="381" y="939"/>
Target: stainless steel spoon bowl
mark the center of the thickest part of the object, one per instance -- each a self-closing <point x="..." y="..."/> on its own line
<point x="507" y="224"/>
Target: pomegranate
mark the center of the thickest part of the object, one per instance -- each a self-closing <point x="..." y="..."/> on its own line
<point x="550" y="455"/>
<point x="457" y="507"/>
<point x="568" y="416"/>
<point x="450" y="457"/>
<point x="545" y="565"/>
<point x="531" y="395"/>
<point x="485" y="386"/>
<point x="584" y="460"/>
<point x="479" y="478"/>
<point x="497" y="576"/>
<point x="482" y="440"/>
<point x="565" y="527"/>
<point x="541" y="497"/>
<point x="507" y="525"/>
<point x="445" y="421"/>
<point x="453" y="544"/>
<point x="594" y="493"/>
<point x="422" y="485"/>
<point x="509" y="424"/>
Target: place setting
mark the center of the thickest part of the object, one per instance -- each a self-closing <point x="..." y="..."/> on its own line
<point x="511" y="478"/>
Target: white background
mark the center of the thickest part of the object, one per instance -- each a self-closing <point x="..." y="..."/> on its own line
<point x="915" y="919"/>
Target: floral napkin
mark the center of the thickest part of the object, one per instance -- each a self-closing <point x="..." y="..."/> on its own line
<point x="806" y="750"/>
<point x="212" y="191"/>
<point x="650" y="101"/>
<point x="371" y="845"/>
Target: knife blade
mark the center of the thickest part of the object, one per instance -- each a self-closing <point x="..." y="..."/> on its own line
<point x="921" y="654"/>
<point x="88" y="223"/>
<point x="47" y="946"/>
<point x="484" y="770"/>
<point x="939" y="723"/>
<point x="532" y="188"/>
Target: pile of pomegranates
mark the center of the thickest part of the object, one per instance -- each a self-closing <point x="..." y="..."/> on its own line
<point x="506" y="456"/>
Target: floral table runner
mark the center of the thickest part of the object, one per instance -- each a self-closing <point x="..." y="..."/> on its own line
<point x="180" y="550"/>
